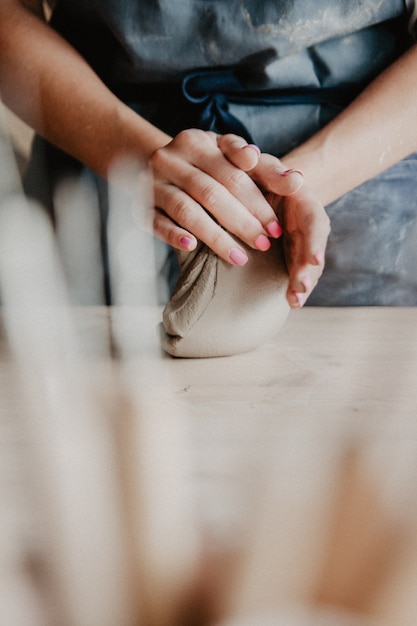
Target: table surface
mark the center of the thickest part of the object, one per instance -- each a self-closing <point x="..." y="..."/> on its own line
<point x="287" y="415"/>
<point x="329" y="362"/>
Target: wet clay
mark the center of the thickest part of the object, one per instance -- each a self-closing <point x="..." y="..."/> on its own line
<point x="218" y="309"/>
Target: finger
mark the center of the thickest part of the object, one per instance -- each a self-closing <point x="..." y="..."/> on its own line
<point x="300" y="288"/>
<point x="296" y="264"/>
<point x="305" y="254"/>
<point x="303" y="213"/>
<point x="179" y="208"/>
<point x="315" y="226"/>
<point x="240" y="194"/>
<point x="164" y="228"/>
<point x="237" y="150"/>
<point x="303" y="274"/>
<point x="230" y="197"/>
<point x="272" y="175"/>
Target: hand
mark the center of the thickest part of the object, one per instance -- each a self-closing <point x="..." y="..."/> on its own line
<point x="201" y="193"/>
<point x="306" y="228"/>
<point x="305" y="223"/>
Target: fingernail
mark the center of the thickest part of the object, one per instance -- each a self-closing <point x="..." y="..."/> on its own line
<point x="274" y="229"/>
<point x="187" y="243"/>
<point x="292" y="170"/>
<point x="297" y="300"/>
<point x="252" y="145"/>
<point x="262" y="243"/>
<point x="238" y="257"/>
<point x="301" y="299"/>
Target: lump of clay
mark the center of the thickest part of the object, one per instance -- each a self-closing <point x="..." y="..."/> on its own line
<point x="218" y="309"/>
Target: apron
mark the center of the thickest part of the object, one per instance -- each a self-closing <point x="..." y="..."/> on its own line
<point x="274" y="72"/>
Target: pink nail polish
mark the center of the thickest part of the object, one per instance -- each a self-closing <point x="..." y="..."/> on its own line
<point x="274" y="229"/>
<point x="187" y="243"/>
<point x="262" y="243"/>
<point x="238" y="257"/>
<point x="292" y="170"/>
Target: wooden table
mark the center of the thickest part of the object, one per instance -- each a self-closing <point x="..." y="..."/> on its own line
<point x="329" y="361"/>
<point x="319" y="422"/>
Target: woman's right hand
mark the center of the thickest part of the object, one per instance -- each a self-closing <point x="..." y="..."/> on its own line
<point x="200" y="194"/>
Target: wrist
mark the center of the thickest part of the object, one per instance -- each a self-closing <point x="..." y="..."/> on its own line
<point x="316" y="177"/>
<point x="133" y="139"/>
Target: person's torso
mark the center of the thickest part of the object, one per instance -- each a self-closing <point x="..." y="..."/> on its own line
<point x="158" y="40"/>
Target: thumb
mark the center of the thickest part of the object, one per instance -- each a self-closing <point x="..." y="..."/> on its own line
<point x="272" y="175"/>
<point x="238" y="151"/>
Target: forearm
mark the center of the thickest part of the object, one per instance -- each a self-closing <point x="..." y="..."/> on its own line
<point x="374" y="132"/>
<point x="50" y="86"/>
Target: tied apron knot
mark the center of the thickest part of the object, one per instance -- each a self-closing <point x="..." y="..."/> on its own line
<point x="208" y="92"/>
<point x="201" y="97"/>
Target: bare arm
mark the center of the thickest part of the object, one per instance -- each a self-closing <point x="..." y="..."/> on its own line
<point x="198" y="192"/>
<point x="377" y="130"/>
<point x="50" y="86"/>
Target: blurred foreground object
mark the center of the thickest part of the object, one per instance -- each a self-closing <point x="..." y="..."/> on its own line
<point x="272" y="488"/>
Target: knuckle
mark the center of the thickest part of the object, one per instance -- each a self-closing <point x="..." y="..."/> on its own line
<point x="236" y="180"/>
<point x="158" y="159"/>
<point x="184" y="138"/>
<point x="232" y="141"/>
<point x="164" y="228"/>
<point x="180" y="211"/>
<point x="190" y="139"/>
<point x="209" y="195"/>
<point x="159" y="222"/>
